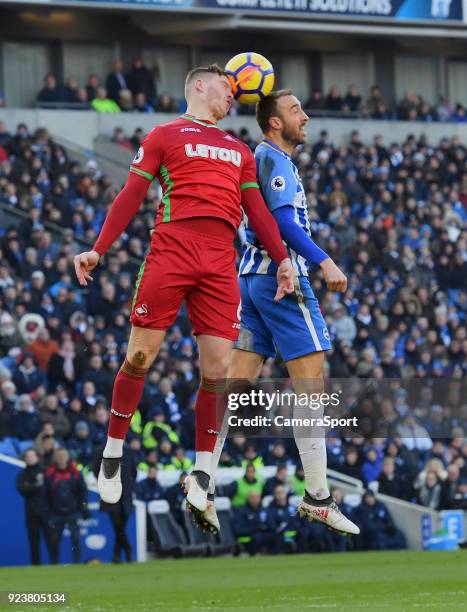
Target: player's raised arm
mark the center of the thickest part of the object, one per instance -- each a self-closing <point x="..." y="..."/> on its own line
<point x="125" y="205"/>
<point x="297" y="239"/>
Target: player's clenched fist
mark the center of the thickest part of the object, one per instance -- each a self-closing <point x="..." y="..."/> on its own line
<point x="335" y="279"/>
<point x="285" y="279"/>
<point x="84" y="264"/>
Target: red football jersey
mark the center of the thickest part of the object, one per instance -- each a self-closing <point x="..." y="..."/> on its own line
<point x="201" y="168"/>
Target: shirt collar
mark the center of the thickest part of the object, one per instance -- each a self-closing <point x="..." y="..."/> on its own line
<point x="271" y="144"/>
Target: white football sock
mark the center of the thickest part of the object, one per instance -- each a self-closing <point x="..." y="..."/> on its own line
<point x="203" y="461"/>
<point x="216" y="455"/>
<point x="311" y="446"/>
<point x="313" y="455"/>
<point x="113" y="448"/>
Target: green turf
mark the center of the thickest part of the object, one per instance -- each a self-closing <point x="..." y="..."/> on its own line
<point x="354" y="581"/>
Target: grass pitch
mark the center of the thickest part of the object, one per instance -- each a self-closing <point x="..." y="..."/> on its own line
<point x="349" y="581"/>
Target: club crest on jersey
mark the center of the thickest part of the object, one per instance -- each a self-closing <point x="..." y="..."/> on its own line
<point x="278" y="183"/>
<point x="139" y="156"/>
<point x="142" y="310"/>
<point x="209" y="152"/>
<point x="326" y="334"/>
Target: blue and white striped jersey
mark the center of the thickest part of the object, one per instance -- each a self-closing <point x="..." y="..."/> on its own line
<point x="280" y="185"/>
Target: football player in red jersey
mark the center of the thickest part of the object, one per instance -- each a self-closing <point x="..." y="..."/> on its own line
<point x="206" y="176"/>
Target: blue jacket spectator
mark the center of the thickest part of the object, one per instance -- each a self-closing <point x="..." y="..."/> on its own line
<point x="282" y="520"/>
<point x="378" y="531"/>
<point x="149" y="489"/>
<point x="251" y="525"/>
<point x="80" y="445"/>
<point x="27" y="422"/>
<point x="372" y="466"/>
<point x="27" y="376"/>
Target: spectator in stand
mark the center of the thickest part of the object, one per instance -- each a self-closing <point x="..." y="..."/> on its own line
<point x="316" y="101"/>
<point x="51" y="92"/>
<point x="425" y="112"/>
<point x="82" y="98"/>
<point x="334" y="100"/>
<point x="239" y="490"/>
<point x="51" y="412"/>
<point x="251" y="525"/>
<point x="80" y="445"/>
<point x="149" y="489"/>
<point x="102" y="104"/>
<point x="141" y="105"/>
<point x="140" y="80"/>
<point x="372" y="466"/>
<point x="116" y="81"/>
<point x="459" y="115"/>
<point x="280" y="478"/>
<point x="374" y="102"/>
<point x="352" y="100"/>
<point x="166" y="104"/>
<point x="46" y="448"/>
<point x="31" y="485"/>
<point x="27" y="420"/>
<point x="119" y="138"/>
<point x="66" y="366"/>
<point x="67" y="498"/>
<point x="125" y="100"/>
<point x="282" y="521"/>
<point x="70" y="92"/>
<point x="343" y="325"/>
<point x="378" y="531"/>
<point x="43" y="348"/>
<point x="352" y="466"/>
<point x="430" y="492"/>
<point x="407" y="108"/>
<point x="27" y="376"/>
<point x="137" y="138"/>
<point x="450" y="488"/>
<point x="92" y="86"/>
<point x="381" y="112"/>
<point x="444" y="109"/>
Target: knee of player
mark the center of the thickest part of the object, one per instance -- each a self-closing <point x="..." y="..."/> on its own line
<point x="140" y="358"/>
<point x="218" y="369"/>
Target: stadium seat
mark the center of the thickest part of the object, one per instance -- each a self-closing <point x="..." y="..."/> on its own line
<point x="8" y="447"/>
<point x="23" y="445"/>
<point x="172" y="540"/>
<point x="226" y="536"/>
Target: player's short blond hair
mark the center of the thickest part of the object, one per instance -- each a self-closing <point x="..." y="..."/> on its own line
<point x="199" y="72"/>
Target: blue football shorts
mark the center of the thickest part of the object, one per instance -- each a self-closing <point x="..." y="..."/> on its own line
<point x="294" y="327"/>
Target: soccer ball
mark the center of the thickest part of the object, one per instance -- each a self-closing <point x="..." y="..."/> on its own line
<point x="251" y="76"/>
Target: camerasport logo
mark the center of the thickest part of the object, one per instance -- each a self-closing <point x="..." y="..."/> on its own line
<point x="141" y="310"/>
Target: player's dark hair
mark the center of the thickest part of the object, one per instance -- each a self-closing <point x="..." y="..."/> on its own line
<point x="196" y="73"/>
<point x="267" y="108"/>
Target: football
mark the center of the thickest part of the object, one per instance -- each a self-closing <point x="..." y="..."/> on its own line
<point x="251" y="75"/>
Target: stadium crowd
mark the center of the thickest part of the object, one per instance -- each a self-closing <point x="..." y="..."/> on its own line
<point x="392" y="215"/>
<point x="136" y="91"/>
